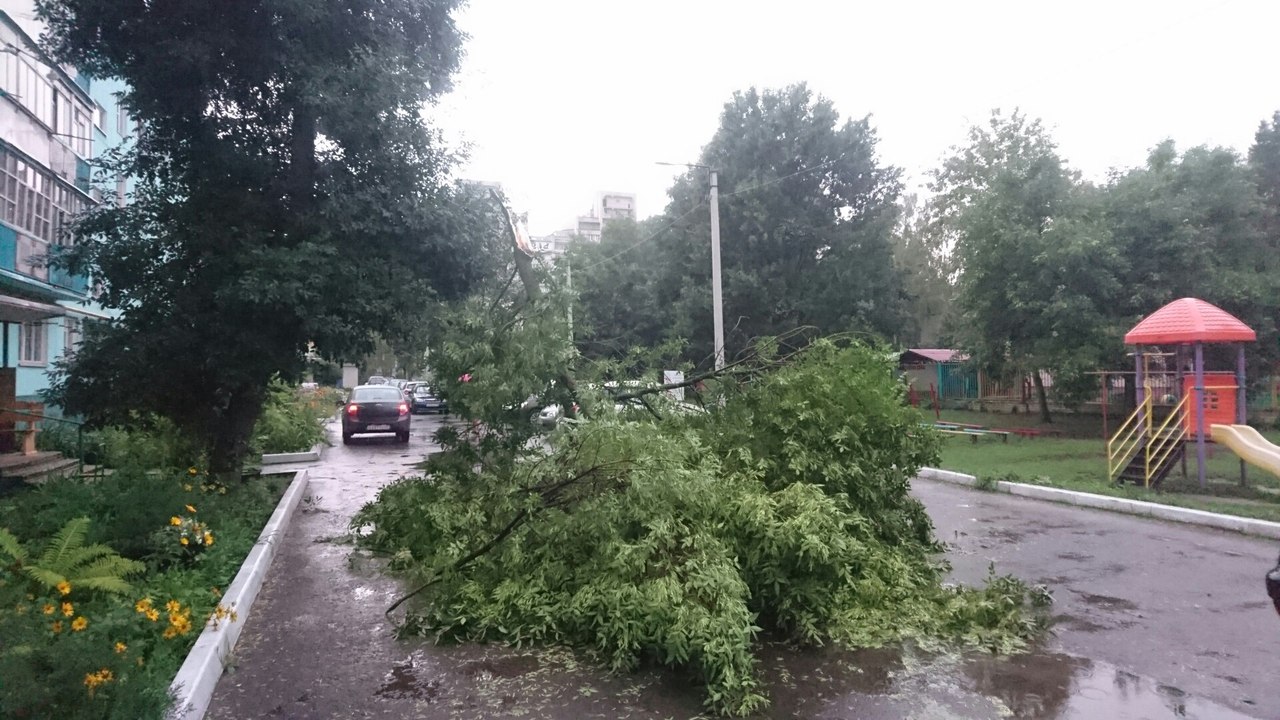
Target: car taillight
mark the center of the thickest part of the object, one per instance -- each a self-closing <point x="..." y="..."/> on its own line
<point x="404" y="408"/>
<point x="352" y="409"/>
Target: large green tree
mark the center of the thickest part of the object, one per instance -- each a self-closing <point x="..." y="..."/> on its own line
<point x="1037" y="263"/>
<point x="288" y="191"/>
<point x="807" y="214"/>
<point x="1192" y="224"/>
<point x="923" y="255"/>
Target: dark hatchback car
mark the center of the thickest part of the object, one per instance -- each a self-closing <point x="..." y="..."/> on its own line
<point x="426" y="401"/>
<point x="375" y="409"/>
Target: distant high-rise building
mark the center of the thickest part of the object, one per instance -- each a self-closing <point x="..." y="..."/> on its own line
<point x="590" y="227"/>
<point x="615" y="206"/>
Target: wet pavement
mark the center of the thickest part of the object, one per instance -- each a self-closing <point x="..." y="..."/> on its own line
<point x="1131" y="593"/>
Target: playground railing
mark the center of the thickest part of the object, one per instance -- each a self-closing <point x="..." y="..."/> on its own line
<point x="1164" y="440"/>
<point x="1127" y="441"/>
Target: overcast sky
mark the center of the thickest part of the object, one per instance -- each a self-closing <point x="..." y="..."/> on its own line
<point x="559" y="99"/>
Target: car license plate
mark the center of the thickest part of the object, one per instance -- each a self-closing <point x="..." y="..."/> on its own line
<point x="371" y="428"/>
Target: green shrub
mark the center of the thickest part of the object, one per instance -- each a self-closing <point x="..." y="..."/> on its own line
<point x="290" y="419"/>
<point x="118" y="663"/>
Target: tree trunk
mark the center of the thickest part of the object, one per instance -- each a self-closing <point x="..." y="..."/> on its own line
<point x="230" y="442"/>
<point x="533" y="291"/>
<point x="1041" y="396"/>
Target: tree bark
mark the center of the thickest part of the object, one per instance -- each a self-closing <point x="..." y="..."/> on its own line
<point x="533" y="292"/>
<point x="1041" y="396"/>
<point x="230" y="442"/>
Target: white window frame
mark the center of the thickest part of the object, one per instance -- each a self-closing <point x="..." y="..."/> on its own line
<point x="73" y="334"/>
<point x="33" y="344"/>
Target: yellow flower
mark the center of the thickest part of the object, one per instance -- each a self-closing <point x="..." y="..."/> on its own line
<point x="222" y="491"/>
<point x="64" y="587"/>
<point x="182" y="540"/>
<point x="121" y="647"/>
<point x="173" y="606"/>
<point x="187" y="487"/>
<point x="153" y="615"/>
<point x="217" y="592"/>
<point x="79" y="624"/>
<point x="56" y="627"/>
<point x="192" y="471"/>
<point x="68" y="609"/>
<point x="49" y="608"/>
<point x="208" y="539"/>
<point x="142" y="605"/>
<point x="175" y="520"/>
<point x="191" y="509"/>
<point x="170" y="633"/>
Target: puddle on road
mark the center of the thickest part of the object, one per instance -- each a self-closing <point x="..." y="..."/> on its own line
<point x="471" y="682"/>
<point x="883" y="685"/>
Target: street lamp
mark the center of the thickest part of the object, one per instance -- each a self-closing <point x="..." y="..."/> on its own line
<point x="717" y="304"/>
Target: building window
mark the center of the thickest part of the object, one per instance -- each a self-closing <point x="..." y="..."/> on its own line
<point x="122" y="121"/>
<point x="34" y="201"/>
<point x="31" y="344"/>
<point x="72" y="336"/>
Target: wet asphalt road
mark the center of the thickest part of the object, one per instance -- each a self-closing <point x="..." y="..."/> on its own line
<point x="1131" y="643"/>
<point x="1182" y="605"/>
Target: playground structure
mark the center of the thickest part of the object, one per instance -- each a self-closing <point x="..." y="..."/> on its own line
<point x="1205" y="406"/>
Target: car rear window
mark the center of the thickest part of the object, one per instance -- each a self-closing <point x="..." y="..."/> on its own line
<point x="375" y="394"/>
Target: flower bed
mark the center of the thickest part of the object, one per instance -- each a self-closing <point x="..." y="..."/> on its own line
<point x="104" y="586"/>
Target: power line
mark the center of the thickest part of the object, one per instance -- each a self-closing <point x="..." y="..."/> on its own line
<point x="700" y="205"/>
<point x="775" y="181"/>
<point x="638" y="243"/>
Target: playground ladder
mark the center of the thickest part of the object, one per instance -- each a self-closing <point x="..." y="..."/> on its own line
<point x="1142" y="450"/>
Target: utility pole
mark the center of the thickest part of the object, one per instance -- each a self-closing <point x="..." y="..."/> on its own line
<point x="717" y="304"/>
<point x="568" y="270"/>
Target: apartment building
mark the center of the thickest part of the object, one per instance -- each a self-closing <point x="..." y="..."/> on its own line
<point x="53" y="123"/>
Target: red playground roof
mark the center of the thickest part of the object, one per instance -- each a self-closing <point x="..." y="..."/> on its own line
<point x="1189" y="320"/>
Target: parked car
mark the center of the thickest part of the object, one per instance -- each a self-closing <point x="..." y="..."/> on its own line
<point x="410" y="386"/>
<point x="375" y="409"/>
<point x="426" y="401"/>
<point x="550" y="415"/>
<point x="376" y="380"/>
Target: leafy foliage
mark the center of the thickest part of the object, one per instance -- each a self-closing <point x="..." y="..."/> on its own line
<point x="290" y="420"/>
<point x="67" y="559"/>
<point x="807" y="218"/>
<point x="287" y="191"/>
<point x="131" y="645"/>
<point x="1038" y="262"/>
<point x="679" y="539"/>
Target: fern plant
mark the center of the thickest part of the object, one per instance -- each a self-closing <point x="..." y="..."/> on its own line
<point x="67" y="559"/>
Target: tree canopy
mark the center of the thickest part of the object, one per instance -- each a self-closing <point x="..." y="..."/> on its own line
<point x="807" y="213"/>
<point x="288" y="191"/>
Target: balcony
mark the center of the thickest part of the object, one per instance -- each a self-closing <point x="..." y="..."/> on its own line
<point x="22" y="261"/>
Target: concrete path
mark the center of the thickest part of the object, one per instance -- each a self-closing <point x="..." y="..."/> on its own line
<point x="1184" y="606"/>
<point x="1133" y="643"/>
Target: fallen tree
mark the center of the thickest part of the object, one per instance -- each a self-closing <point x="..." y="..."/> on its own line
<point x="679" y="538"/>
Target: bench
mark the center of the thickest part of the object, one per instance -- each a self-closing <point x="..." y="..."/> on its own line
<point x="975" y="434"/>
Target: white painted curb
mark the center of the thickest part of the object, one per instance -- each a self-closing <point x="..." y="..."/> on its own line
<point x="193" y="685"/>
<point x="312" y="455"/>
<point x="1234" y="523"/>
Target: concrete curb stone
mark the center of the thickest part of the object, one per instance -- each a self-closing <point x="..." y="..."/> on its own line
<point x="312" y="455"/>
<point x="1234" y="523"/>
<point x="194" y="684"/>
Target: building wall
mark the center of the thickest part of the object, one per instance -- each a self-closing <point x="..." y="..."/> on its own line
<point x="54" y="123"/>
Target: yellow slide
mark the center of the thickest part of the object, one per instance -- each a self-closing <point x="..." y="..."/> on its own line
<point x="1249" y="445"/>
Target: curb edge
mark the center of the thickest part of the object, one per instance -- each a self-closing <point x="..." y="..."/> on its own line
<point x="195" y="681"/>
<point x="1142" y="508"/>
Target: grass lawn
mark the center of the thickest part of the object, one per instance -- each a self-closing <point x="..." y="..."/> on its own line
<point x="1081" y="464"/>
